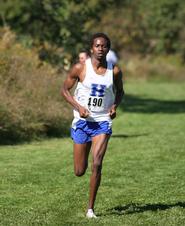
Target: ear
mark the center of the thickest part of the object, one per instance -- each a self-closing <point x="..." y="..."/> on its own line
<point x="91" y="50"/>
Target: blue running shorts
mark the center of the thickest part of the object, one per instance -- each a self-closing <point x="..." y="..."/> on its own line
<point x="85" y="130"/>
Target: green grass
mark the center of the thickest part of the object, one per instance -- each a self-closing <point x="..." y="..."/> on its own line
<point x="143" y="179"/>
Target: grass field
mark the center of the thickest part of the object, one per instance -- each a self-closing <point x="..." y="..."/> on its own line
<point x="143" y="180"/>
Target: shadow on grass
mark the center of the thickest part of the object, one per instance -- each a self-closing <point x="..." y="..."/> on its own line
<point x="128" y="136"/>
<point x="16" y="140"/>
<point x="137" y="104"/>
<point x="138" y="208"/>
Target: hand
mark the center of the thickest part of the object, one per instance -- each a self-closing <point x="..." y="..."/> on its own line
<point x="112" y="112"/>
<point x="84" y="113"/>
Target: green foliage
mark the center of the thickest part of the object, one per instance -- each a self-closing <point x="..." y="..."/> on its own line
<point x="164" y="20"/>
<point x="59" y="21"/>
<point x="143" y="26"/>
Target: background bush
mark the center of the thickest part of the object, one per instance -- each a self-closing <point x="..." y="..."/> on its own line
<point x="30" y="101"/>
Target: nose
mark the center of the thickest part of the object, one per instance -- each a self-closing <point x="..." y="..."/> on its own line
<point x="100" y="48"/>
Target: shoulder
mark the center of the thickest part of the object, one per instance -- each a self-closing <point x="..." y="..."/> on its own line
<point x="78" y="67"/>
<point x="76" y="70"/>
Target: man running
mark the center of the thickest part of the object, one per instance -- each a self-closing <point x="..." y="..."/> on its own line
<point x="98" y="93"/>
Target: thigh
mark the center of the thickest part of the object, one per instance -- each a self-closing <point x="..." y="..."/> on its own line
<point x="99" y="146"/>
<point x="81" y="153"/>
<point x="82" y="145"/>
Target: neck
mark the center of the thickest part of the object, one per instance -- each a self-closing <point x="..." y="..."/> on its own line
<point x="99" y="62"/>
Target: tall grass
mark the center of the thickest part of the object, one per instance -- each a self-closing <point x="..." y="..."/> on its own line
<point x="30" y="101"/>
<point x="154" y="68"/>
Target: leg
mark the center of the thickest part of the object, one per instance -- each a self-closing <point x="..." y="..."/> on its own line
<point x="81" y="153"/>
<point x="99" y="146"/>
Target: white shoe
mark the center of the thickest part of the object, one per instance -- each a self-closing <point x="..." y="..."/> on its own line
<point x="90" y="214"/>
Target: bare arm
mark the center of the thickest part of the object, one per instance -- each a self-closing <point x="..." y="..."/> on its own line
<point x="71" y="79"/>
<point x="118" y="83"/>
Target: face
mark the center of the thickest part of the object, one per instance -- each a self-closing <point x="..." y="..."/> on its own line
<point x="82" y="57"/>
<point x="100" y="48"/>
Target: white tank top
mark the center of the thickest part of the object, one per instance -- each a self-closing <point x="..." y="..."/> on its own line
<point x="95" y="93"/>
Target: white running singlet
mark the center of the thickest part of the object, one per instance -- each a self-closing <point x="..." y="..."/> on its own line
<point x="95" y="93"/>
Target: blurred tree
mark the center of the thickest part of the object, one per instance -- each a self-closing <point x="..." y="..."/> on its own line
<point x="57" y="21"/>
<point x="164" y="22"/>
<point x="143" y="26"/>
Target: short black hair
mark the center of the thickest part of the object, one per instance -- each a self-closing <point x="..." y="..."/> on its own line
<point x="100" y="35"/>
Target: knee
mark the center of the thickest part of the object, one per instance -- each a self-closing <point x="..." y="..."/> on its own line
<point x="80" y="171"/>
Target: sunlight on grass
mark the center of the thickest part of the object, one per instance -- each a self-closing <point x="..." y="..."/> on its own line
<point x="143" y="173"/>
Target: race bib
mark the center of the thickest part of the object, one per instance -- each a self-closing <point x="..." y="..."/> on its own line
<point x="96" y="98"/>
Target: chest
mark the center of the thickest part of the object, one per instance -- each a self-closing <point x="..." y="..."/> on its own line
<point x="100" y="71"/>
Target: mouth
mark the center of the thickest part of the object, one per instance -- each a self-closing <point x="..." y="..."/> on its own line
<point x="100" y="54"/>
